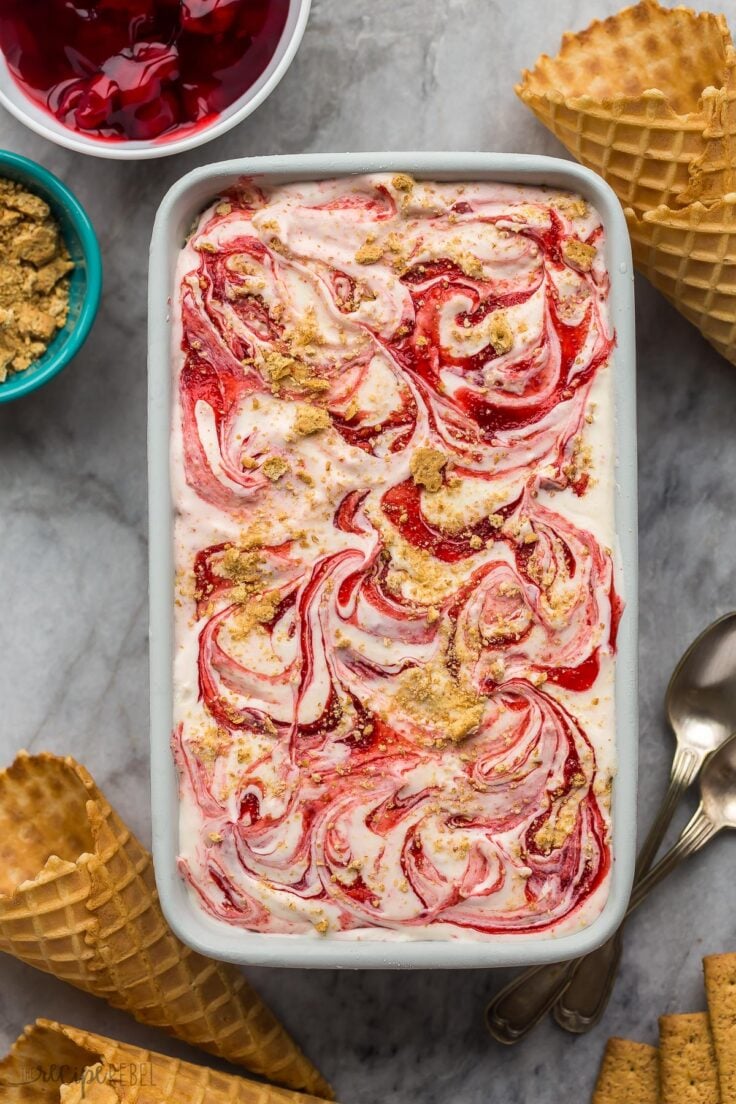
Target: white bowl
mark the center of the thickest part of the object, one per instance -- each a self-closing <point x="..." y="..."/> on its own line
<point x="44" y="123"/>
<point x="180" y="206"/>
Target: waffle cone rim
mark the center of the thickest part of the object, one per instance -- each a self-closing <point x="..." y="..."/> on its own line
<point x="105" y="1052"/>
<point x="97" y="809"/>
<point x="618" y="104"/>
<point x="681" y="218"/>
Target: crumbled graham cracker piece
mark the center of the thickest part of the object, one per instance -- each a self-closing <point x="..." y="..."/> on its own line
<point x="402" y="182"/>
<point x="579" y="254"/>
<point x="310" y="419"/>
<point x="427" y="466"/>
<point x="432" y="696"/>
<point x="274" y="468"/>
<point x="500" y="334"/>
<point x="369" y="252"/>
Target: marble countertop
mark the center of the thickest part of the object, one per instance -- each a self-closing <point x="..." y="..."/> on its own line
<point x="73" y="662"/>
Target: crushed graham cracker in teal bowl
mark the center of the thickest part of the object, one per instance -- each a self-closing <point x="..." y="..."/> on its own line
<point x="50" y="276"/>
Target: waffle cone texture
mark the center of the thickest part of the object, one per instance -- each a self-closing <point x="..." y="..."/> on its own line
<point x="52" y="1063"/>
<point x="78" y="900"/>
<point x="647" y="98"/>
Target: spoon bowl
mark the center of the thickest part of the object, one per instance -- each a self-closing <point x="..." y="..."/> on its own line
<point x="718" y="786"/>
<point x="701" y="696"/>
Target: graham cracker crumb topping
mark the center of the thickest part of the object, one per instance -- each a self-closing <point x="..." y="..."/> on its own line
<point x="500" y="334"/>
<point x="427" y="466"/>
<point x="432" y="696"/>
<point x="310" y="419"/>
<point x="274" y="468"/>
<point x="402" y="182"/>
<point x="370" y="251"/>
<point x="579" y="254"/>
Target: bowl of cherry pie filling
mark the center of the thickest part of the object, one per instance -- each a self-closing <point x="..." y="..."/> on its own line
<point x="133" y="79"/>
<point x="393" y="560"/>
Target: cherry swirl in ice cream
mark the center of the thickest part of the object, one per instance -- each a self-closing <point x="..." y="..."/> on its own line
<point x="396" y="614"/>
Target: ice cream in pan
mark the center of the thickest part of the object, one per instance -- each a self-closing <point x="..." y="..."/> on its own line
<point x="392" y="466"/>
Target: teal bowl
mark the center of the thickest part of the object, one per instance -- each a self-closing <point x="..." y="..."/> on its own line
<point x="86" y="276"/>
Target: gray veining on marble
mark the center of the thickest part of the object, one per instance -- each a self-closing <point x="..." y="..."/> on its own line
<point x="73" y="677"/>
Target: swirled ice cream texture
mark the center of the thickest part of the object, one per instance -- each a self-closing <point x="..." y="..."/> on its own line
<point x="392" y="465"/>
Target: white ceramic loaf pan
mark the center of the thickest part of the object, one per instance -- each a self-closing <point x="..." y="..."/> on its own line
<point x="176" y="214"/>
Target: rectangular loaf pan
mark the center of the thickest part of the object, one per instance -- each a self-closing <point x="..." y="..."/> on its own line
<point x="175" y="217"/>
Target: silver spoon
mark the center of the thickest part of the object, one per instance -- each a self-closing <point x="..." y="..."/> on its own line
<point x="700" y="705"/>
<point x="717" y="810"/>
<point x="701" y="708"/>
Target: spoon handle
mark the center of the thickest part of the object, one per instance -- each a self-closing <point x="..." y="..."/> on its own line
<point x="694" y="836"/>
<point x="527" y="998"/>
<point x="584" y="1001"/>
<point x="685" y="767"/>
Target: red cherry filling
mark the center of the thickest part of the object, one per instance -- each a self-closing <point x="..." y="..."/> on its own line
<point x="138" y="69"/>
<point x="209" y="16"/>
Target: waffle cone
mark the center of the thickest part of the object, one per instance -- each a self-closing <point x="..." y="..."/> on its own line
<point x="52" y="1063"/>
<point x="78" y="900"/>
<point x="690" y="255"/>
<point x="638" y="98"/>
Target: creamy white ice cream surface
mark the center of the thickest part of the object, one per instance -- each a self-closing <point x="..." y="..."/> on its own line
<point x="392" y="467"/>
